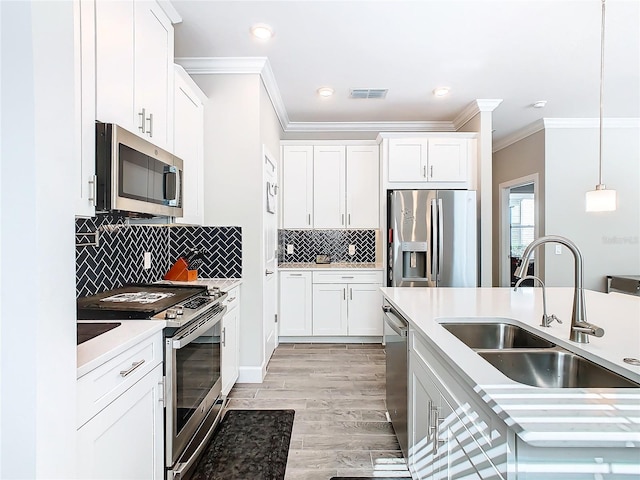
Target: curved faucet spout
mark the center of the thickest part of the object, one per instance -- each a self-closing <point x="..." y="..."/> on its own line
<point x="579" y="333"/>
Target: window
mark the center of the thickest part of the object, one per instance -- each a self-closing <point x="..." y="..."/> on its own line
<point x="521" y="207"/>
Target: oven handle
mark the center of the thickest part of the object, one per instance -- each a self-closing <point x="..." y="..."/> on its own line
<point x="190" y="336"/>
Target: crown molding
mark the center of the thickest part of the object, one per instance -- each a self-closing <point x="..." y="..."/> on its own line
<point x="170" y="11"/>
<point x="630" y="122"/>
<point x="308" y="127"/>
<point x="240" y="65"/>
<point x="475" y="107"/>
<point x="523" y="133"/>
<point x="559" y="123"/>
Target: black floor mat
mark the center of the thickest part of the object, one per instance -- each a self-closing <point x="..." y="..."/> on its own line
<point x="249" y="444"/>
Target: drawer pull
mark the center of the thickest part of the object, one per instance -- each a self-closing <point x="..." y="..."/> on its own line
<point x="346" y="277"/>
<point x="134" y="365"/>
<point x="295" y="274"/>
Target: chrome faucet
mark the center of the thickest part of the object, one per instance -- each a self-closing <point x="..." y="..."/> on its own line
<point x="580" y="328"/>
<point x="546" y="319"/>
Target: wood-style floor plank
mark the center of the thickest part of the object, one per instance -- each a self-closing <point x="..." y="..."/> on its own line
<point x="338" y="393"/>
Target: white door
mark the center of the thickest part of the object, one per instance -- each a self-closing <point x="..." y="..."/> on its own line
<point x="407" y="159"/>
<point x="295" y="304"/>
<point x="447" y="159"/>
<point x="362" y="187"/>
<point x="297" y="185"/>
<point x="364" y="309"/>
<point x="329" y="187"/>
<point x="270" y="232"/>
<point x="330" y="309"/>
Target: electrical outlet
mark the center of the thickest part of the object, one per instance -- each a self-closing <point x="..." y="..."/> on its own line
<point x="289" y="249"/>
<point x="558" y="249"/>
<point x="352" y="249"/>
<point x="147" y="260"/>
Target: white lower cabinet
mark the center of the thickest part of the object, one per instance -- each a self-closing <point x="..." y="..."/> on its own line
<point x="330" y="303"/>
<point x="230" y="367"/>
<point x="125" y="438"/>
<point x="347" y="303"/>
<point x="295" y="304"/>
<point x="450" y="435"/>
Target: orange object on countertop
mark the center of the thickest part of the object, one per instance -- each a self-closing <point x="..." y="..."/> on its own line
<point x="180" y="272"/>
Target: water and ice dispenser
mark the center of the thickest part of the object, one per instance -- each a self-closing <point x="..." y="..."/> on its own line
<point x="414" y="260"/>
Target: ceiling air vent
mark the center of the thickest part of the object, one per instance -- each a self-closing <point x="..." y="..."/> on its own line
<point x="368" y="92"/>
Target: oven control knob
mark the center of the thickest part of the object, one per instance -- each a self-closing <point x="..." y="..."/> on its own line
<point x="179" y="310"/>
<point x="170" y="314"/>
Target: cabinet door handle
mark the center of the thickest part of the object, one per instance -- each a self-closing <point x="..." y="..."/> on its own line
<point x="308" y="219"/>
<point x="342" y="221"/>
<point x="431" y="171"/>
<point x="424" y="171"/>
<point x="344" y="293"/>
<point x="224" y="337"/>
<point x="134" y="365"/>
<point x="349" y="219"/>
<point x="93" y="190"/>
<point x="143" y="120"/>
<point x="351" y="294"/>
<point x="150" y="118"/>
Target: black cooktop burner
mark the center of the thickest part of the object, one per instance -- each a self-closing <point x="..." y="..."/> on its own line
<point x="135" y="301"/>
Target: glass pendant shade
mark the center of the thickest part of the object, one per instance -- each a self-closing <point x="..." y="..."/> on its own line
<point x="600" y="200"/>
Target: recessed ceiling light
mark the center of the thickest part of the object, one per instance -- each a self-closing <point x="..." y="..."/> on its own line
<point x="441" y="91"/>
<point x="325" y="91"/>
<point x="262" y="31"/>
<point x="539" y="104"/>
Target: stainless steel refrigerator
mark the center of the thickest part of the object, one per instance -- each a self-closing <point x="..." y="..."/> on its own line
<point x="433" y="238"/>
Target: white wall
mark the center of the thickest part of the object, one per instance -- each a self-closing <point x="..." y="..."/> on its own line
<point x="518" y="160"/>
<point x="609" y="241"/>
<point x="482" y="174"/>
<point x="37" y="267"/>
<point x="238" y="120"/>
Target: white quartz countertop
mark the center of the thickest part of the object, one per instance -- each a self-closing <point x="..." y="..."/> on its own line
<point x="330" y="266"/>
<point x="102" y="348"/>
<point x="540" y="416"/>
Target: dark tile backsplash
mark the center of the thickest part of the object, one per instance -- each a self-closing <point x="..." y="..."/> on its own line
<point x="309" y="243"/>
<point x="118" y="258"/>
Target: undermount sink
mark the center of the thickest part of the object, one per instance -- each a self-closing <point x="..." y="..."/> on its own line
<point x="495" y="336"/>
<point x="554" y="369"/>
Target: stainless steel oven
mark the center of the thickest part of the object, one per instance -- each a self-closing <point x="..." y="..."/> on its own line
<point x="193" y="386"/>
<point x="192" y="358"/>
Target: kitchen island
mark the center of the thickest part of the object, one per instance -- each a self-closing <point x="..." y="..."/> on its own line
<point x="468" y="420"/>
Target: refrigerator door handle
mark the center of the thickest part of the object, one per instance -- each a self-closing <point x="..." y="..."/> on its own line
<point x="440" y="236"/>
<point x="434" y="242"/>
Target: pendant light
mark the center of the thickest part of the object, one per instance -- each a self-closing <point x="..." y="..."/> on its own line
<point x="601" y="199"/>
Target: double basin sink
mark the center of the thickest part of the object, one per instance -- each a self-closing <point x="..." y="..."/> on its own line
<point x="532" y="360"/>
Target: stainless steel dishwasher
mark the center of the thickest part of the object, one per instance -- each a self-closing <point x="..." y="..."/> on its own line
<point x="395" y="337"/>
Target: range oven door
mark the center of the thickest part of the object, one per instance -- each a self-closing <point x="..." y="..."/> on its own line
<point x="192" y="357"/>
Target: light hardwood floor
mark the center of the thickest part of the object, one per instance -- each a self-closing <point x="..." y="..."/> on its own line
<point x="338" y="393"/>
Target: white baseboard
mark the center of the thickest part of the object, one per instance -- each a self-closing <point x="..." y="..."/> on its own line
<point x="362" y="339"/>
<point x="252" y="374"/>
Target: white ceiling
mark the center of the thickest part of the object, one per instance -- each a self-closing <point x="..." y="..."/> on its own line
<point x="520" y="51"/>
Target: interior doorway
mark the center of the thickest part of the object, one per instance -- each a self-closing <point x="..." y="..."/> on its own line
<point x="519" y="226"/>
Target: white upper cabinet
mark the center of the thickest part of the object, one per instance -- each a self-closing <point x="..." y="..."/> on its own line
<point x="329" y="209"/>
<point x="429" y="159"/>
<point x="85" y="113"/>
<point x="407" y="159"/>
<point x="134" y="68"/>
<point x="330" y="186"/>
<point x="447" y="160"/>
<point x="297" y="178"/>
<point x="188" y="144"/>
<point x="363" y="187"/>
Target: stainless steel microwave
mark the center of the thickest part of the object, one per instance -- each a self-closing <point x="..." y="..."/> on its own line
<point x="134" y="176"/>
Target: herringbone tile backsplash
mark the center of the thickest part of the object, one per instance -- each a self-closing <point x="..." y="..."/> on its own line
<point x="118" y="258"/>
<point x="309" y="243"/>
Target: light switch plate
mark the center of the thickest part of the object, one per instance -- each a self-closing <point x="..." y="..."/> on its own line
<point x="289" y="249"/>
<point x="352" y="249"/>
